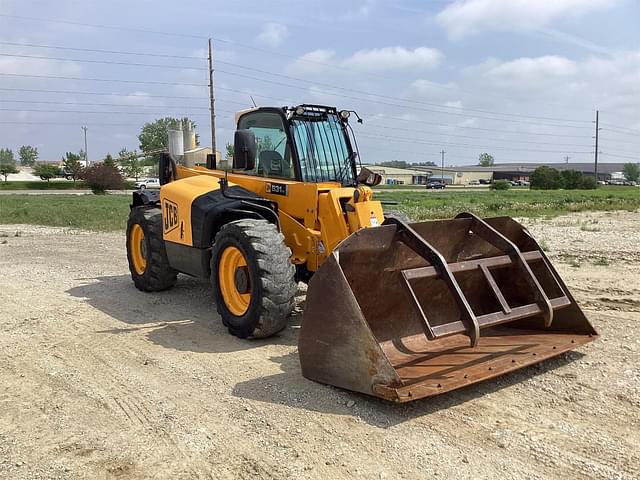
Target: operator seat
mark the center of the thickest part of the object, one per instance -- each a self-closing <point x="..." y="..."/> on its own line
<point x="272" y="164"/>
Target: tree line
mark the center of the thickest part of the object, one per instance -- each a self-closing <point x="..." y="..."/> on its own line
<point x="153" y="136"/>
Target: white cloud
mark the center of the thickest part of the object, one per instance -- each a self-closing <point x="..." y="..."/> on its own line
<point x="393" y="58"/>
<point x="362" y="12"/>
<point x="537" y="68"/>
<point x="466" y="17"/>
<point x="468" y="122"/>
<point x="313" y="62"/>
<point x="273" y="34"/>
<point x="372" y="60"/>
<point x="134" y="98"/>
<point x="427" y="88"/>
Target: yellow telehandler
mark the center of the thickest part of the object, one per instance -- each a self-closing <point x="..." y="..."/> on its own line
<point x="396" y="310"/>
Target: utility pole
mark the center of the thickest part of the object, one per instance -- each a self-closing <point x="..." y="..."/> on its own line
<point x="566" y="159"/>
<point x="86" y="155"/>
<point x="595" y="160"/>
<point x="442" y="152"/>
<point x="212" y="101"/>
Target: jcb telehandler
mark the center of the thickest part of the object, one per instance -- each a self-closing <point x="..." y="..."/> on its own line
<point x="394" y="309"/>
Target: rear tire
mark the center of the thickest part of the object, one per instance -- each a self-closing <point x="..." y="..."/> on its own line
<point x="148" y="262"/>
<point x="267" y="275"/>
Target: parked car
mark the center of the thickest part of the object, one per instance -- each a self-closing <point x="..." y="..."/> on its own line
<point x="474" y="182"/>
<point x="148" y="183"/>
<point x="435" y="185"/>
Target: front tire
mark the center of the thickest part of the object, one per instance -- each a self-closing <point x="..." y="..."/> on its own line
<point x="253" y="278"/>
<point x="148" y="262"/>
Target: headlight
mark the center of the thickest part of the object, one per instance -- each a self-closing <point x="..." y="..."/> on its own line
<point x="300" y="111"/>
<point x="344" y="114"/>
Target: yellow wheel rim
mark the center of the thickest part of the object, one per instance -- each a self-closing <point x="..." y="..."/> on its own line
<point x="138" y="249"/>
<point x="232" y="264"/>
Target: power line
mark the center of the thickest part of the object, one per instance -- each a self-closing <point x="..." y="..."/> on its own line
<point x="107" y="27"/>
<point x="289" y="77"/>
<point x="282" y="84"/>
<point x="244" y="92"/>
<point x="105" y="62"/>
<point x="266" y="72"/>
<point x="518" y="132"/>
<point x="630" y="133"/>
<point x="96" y="50"/>
<point x="47" y="102"/>
<point x="106" y="94"/>
<point x="409" y="107"/>
<point x="174" y="107"/>
<point x="422" y="132"/>
<point x="96" y="112"/>
<point x="465" y="145"/>
<point x="141" y="82"/>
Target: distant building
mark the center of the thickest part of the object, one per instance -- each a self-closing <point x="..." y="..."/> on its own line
<point x="470" y="174"/>
<point x="399" y="176"/>
<point x="463" y="175"/>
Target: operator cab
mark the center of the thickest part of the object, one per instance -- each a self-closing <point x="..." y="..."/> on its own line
<point x="307" y="143"/>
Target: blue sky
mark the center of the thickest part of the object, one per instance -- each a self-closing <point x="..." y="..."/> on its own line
<point x="516" y="78"/>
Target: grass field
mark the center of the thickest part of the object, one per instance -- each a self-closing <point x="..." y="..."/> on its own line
<point x="109" y="212"/>
<point x="516" y="203"/>
<point x="89" y="212"/>
<point x="52" y="185"/>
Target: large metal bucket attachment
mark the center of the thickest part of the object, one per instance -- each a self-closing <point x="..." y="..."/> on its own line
<point x="406" y="311"/>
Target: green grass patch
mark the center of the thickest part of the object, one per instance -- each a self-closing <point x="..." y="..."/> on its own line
<point x="52" y="185"/>
<point x="88" y="212"/>
<point x="516" y="203"/>
<point x="110" y="212"/>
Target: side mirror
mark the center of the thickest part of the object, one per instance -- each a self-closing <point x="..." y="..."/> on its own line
<point x="167" y="168"/>
<point x="368" y="178"/>
<point x="245" y="150"/>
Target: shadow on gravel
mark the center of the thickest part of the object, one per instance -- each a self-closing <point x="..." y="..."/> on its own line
<point x="291" y="389"/>
<point x="182" y="318"/>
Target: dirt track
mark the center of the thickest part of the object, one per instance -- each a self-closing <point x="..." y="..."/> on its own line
<point x="99" y="380"/>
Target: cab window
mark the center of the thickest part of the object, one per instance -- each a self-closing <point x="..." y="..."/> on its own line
<point x="274" y="153"/>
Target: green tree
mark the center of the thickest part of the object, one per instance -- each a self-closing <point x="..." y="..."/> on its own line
<point x="588" y="182"/>
<point x="7" y="163"/>
<point x="631" y="172"/>
<point x="394" y="164"/>
<point x="46" y="171"/>
<point x="72" y="165"/>
<point x="229" y="150"/>
<point x="155" y="135"/>
<point x="572" y="179"/>
<point x="546" y="178"/>
<point x="500" y="185"/>
<point x="130" y="163"/>
<point x="28" y="155"/>
<point x="109" y="161"/>
<point x="485" y="160"/>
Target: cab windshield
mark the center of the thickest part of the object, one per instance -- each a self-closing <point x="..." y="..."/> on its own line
<point x="320" y="140"/>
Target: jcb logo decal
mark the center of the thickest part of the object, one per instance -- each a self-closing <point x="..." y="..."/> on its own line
<point x="170" y="215"/>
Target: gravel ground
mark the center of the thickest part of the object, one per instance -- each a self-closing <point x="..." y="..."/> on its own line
<point x="99" y="380"/>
